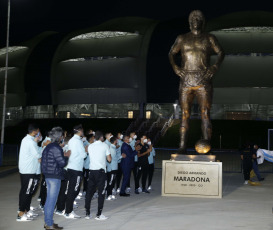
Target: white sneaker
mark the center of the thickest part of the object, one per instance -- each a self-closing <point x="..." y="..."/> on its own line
<point x="114" y="192"/>
<point x="24" y="218"/>
<point x="149" y="188"/>
<point x="88" y="217"/>
<point x="32" y="214"/>
<point x="80" y="194"/>
<point x="39" y="199"/>
<point x="113" y="197"/>
<point x="79" y="197"/>
<point x="109" y="198"/>
<point x="60" y="213"/>
<point x="246" y="182"/>
<point x="32" y="208"/>
<point x="75" y="203"/>
<point x="72" y="215"/>
<point x="128" y="190"/>
<point x="139" y="189"/>
<point x="118" y="190"/>
<point x="101" y="217"/>
<point x="41" y="206"/>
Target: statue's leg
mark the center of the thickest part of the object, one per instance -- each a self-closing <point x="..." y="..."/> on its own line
<point x="186" y="99"/>
<point x="204" y="98"/>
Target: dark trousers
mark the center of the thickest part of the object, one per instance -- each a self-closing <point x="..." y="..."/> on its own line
<point x="36" y="183"/>
<point x="97" y="180"/>
<point x="26" y="192"/>
<point x="119" y="175"/>
<point x="111" y="178"/>
<point x="143" y="173"/>
<point x="256" y="170"/>
<point x="126" y="172"/>
<point x="74" y="183"/>
<point x="247" y="167"/>
<point x="134" y="170"/>
<point x="60" y="205"/>
<point x="150" y="174"/>
<point x="43" y="191"/>
<point x="85" y="179"/>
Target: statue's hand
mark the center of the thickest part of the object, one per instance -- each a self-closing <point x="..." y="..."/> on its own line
<point x="180" y="72"/>
<point x="211" y="71"/>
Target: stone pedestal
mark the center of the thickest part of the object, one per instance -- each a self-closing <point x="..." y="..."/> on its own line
<point x="192" y="179"/>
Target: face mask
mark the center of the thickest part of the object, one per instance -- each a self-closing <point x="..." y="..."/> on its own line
<point x="37" y="135"/>
<point x="93" y="133"/>
<point x="135" y="137"/>
<point x="84" y="139"/>
<point x="149" y="143"/>
<point x="130" y="139"/>
<point x="121" y="137"/>
<point x="145" y="140"/>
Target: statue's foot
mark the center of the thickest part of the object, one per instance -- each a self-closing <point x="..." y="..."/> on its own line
<point x="182" y="151"/>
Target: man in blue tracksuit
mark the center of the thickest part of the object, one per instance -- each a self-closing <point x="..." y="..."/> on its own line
<point x="127" y="163"/>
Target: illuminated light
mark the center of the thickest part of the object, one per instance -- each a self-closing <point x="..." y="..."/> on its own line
<point x="202" y="146"/>
<point x="148" y="114"/>
<point x="12" y="49"/>
<point x="68" y="115"/>
<point x="2" y="69"/>
<point x="130" y="114"/>
<point x="98" y="58"/>
<point x="102" y="34"/>
<point x="86" y="114"/>
<point x="258" y="29"/>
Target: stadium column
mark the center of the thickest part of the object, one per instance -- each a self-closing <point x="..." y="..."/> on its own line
<point x="142" y="109"/>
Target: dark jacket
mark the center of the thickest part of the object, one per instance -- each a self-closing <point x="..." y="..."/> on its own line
<point x="53" y="161"/>
<point x="129" y="161"/>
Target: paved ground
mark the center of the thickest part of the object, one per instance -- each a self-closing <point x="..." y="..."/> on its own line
<point x="242" y="207"/>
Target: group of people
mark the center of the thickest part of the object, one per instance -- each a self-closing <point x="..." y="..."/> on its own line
<point x="65" y="161"/>
<point x="251" y="157"/>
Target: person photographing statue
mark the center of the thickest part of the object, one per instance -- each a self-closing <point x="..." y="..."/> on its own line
<point x="196" y="73"/>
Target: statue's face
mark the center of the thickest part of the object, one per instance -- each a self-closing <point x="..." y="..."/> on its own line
<point x="196" y="22"/>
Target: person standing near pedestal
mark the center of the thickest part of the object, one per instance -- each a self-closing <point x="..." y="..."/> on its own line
<point x="143" y="164"/>
<point x="196" y="72"/>
<point x="246" y="156"/>
<point x="151" y="160"/>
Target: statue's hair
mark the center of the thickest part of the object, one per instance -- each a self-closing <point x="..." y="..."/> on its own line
<point x="199" y="14"/>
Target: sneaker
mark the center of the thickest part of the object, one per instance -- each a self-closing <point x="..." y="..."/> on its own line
<point x="79" y="197"/>
<point x="39" y="199"/>
<point x="72" y="215"/>
<point x="118" y="190"/>
<point x="101" y="217"/>
<point x="32" y="214"/>
<point x="150" y="188"/>
<point x="114" y="192"/>
<point x="24" y="218"/>
<point x="113" y="197"/>
<point x="80" y="194"/>
<point x="88" y="216"/>
<point x="41" y="206"/>
<point x="75" y="202"/>
<point x="145" y="191"/>
<point x="139" y="189"/>
<point x="60" y="213"/>
<point x="32" y="208"/>
<point x="109" y="198"/>
<point x="246" y="182"/>
<point x="54" y="226"/>
<point x="128" y="190"/>
<point x="136" y="191"/>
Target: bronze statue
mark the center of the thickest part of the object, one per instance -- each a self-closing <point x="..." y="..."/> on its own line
<point x="195" y="72"/>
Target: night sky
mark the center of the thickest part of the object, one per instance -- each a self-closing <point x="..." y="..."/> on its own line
<point x="31" y="17"/>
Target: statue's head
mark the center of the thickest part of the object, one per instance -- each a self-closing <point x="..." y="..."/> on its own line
<point x="197" y="20"/>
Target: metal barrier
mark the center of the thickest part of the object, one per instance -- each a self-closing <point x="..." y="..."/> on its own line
<point x="8" y="155"/>
<point x="231" y="160"/>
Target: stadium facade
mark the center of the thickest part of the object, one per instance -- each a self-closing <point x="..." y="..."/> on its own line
<point x="121" y="69"/>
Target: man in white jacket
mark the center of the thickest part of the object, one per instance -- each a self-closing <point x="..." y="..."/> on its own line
<point x="29" y="159"/>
